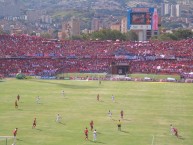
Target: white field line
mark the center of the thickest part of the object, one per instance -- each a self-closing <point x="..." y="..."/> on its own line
<point x="2" y="138"/>
<point x="152" y="142"/>
<point x="6" y="136"/>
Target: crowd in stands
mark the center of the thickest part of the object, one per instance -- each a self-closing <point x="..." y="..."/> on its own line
<point x="37" y="56"/>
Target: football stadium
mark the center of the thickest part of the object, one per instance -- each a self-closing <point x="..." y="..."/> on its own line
<point x="151" y="82"/>
<point x="88" y="92"/>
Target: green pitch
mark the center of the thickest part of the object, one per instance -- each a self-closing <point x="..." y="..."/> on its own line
<point x="149" y="109"/>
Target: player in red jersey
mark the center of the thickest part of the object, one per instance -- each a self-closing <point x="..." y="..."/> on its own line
<point x="34" y="123"/>
<point x="18" y="97"/>
<point x="14" y="135"/>
<point x="91" y="125"/>
<point x="16" y="105"/>
<point x="121" y="114"/>
<point x="86" y="133"/>
<point x="98" y="97"/>
<point x="15" y="132"/>
<point x="174" y="130"/>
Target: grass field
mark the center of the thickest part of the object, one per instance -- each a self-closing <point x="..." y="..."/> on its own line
<point x="149" y="109"/>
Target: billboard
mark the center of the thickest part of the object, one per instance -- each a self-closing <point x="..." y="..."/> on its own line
<point x="142" y="19"/>
<point x="138" y="18"/>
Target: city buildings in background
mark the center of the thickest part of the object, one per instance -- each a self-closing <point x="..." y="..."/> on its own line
<point x="74" y="26"/>
<point x="95" y="24"/>
<point x="70" y="28"/>
<point x="172" y="10"/>
<point x="124" y="25"/>
<point x="69" y="18"/>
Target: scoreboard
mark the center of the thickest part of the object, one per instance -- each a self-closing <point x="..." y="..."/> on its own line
<point x="142" y="18"/>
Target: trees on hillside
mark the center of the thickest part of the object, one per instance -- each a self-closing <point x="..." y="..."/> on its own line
<point x="131" y="35"/>
<point x="107" y="34"/>
<point x="1" y="30"/>
<point x="176" y="35"/>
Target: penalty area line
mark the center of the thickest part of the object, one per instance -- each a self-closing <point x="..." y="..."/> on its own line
<point x="152" y="142"/>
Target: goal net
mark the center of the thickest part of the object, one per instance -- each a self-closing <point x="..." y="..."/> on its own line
<point x="6" y="140"/>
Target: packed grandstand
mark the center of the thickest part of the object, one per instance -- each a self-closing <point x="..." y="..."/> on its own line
<point x="37" y="56"/>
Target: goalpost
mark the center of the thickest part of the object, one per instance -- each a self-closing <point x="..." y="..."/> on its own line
<point x="8" y="140"/>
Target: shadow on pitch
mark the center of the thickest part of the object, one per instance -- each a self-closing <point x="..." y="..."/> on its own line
<point x="40" y="103"/>
<point x="114" y="120"/>
<point x="38" y="129"/>
<point x="99" y="133"/>
<point x="124" y="131"/>
<point x="62" y="123"/>
<point x="180" y="137"/>
<point x="96" y="142"/>
<point x="65" y="85"/>
<point x="126" y="119"/>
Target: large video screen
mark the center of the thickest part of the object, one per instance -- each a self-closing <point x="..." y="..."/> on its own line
<point x="138" y="18"/>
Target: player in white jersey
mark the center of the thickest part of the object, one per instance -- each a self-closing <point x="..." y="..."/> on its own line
<point x="58" y="118"/>
<point x="113" y="98"/>
<point x="37" y="99"/>
<point x="110" y="114"/>
<point x="94" y="135"/>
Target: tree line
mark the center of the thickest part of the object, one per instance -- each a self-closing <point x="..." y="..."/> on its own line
<point x="175" y="35"/>
<point x="107" y="34"/>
